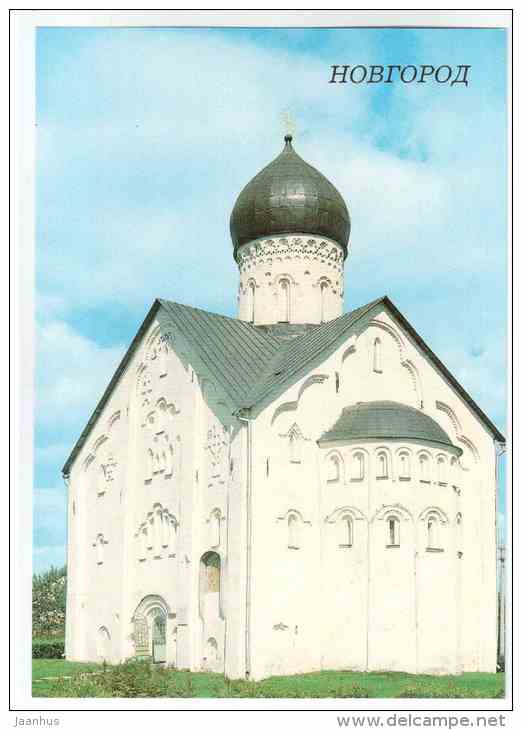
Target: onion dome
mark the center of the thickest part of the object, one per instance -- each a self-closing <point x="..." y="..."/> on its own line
<point x="288" y="197"/>
<point x="388" y="420"/>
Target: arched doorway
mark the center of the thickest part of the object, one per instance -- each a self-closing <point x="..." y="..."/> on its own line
<point x="211" y="612"/>
<point x="150" y="629"/>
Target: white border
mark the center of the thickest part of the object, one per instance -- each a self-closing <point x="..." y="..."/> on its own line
<point x="24" y="23"/>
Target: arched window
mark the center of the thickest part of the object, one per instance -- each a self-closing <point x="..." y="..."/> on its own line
<point x="382" y="465"/>
<point x="283" y="300"/>
<point x="211" y="656"/>
<point x="442" y="476"/>
<point x="433" y="533"/>
<point x="334" y="468"/>
<point x="251" y="299"/>
<point x="293" y="532"/>
<point x="432" y="530"/>
<point x="424" y="468"/>
<point x="393" y="531"/>
<point x="377" y="356"/>
<point x="295" y="444"/>
<point x="404" y="465"/>
<point x="323" y="289"/>
<point x="346" y="531"/>
<point x="337" y="382"/>
<point x="358" y="466"/>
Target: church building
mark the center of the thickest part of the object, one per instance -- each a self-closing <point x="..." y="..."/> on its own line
<point x="293" y="490"/>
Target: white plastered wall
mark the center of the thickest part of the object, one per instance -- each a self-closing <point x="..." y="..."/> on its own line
<point x="321" y="606"/>
<point x="173" y="466"/>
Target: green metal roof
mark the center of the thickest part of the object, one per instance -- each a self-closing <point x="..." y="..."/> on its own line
<point x="387" y="420"/>
<point x="234" y="353"/>
<point x="301" y="354"/>
<point x="251" y="366"/>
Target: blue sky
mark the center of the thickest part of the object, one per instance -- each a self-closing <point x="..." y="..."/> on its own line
<point x="145" y="138"/>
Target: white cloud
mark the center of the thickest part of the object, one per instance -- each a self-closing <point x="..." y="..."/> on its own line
<point x="49" y="527"/>
<point x="48" y="556"/>
<point x="72" y="374"/>
<point x="484" y="377"/>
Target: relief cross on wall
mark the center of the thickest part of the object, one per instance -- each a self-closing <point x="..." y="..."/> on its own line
<point x="216" y="453"/>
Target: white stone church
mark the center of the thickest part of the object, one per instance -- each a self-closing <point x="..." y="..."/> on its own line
<point x="294" y="490"/>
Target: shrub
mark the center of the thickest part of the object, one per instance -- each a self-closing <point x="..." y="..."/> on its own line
<point x="49" y="595"/>
<point x="48" y="648"/>
<point x="131" y="679"/>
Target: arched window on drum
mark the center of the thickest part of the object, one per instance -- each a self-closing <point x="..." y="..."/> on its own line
<point x="357" y="467"/>
<point x="382" y="465"/>
<point x="424" y="468"/>
<point x="442" y="470"/>
<point x="334" y="465"/>
<point x="251" y="301"/>
<point x="404" y="466"/>
<point x="324" y="290"/>
<point x="283" y="300"/>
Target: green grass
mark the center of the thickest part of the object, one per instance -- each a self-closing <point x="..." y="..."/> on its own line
<point x="59" y="668"/>
<point x="140" y="679"/>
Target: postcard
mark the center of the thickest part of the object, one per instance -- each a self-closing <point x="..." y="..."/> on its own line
<point x="271" y="378"/>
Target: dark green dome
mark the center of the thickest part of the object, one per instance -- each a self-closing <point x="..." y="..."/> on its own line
<point x="289" y="196"/>
<point x="387" y="420"/>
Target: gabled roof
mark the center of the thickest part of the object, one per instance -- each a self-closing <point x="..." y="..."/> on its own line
<point x="234" y="352"/>
<point x="387" y="420"/>
<point x="250" y="366"/>
<point x="301" y="354"/>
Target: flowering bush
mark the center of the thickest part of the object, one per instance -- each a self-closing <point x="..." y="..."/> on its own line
<point x="49" y="592"/>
